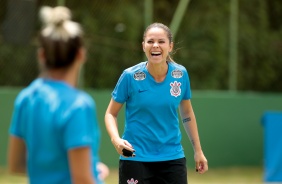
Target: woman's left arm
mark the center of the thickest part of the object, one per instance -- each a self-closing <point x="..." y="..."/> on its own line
<point x="16" y="155"/>
<point x="190" y="125"/>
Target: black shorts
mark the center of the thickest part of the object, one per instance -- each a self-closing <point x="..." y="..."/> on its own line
<point x="165" y="172"/>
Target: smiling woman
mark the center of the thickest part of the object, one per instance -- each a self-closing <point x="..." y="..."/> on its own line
<point x="153" y="91"/>
<point x="157" y="41"/>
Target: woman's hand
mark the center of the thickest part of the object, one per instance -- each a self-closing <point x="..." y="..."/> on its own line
<point x="121" y="144"/>
<point x="201" y="162"/>
<point x="103" y="171"/>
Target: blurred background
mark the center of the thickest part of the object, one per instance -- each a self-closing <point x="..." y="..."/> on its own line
<point x="232" y="50"/>
<point x="206" y="35"/>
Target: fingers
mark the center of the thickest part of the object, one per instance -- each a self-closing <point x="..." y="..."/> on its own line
<point x="124" y="148"/>
<point x="205" y="168"/>
<point x="201" y="167"/>
<point x="197" y="166"/>
<point x="103" y="170"/>
<point x="127" y="144"/>
<point x="201" y="162"/>
<point x="127" y="150"/>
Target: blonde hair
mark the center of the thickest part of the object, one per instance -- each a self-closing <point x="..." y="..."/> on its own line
<point x="57" y="23"/>
<point x="60" y="37"/>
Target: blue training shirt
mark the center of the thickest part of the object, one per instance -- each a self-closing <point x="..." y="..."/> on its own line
<point x="151" y="120"/>
<point x="52" y="118"/>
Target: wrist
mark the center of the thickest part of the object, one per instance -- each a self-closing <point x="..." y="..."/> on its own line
<point x="114" y="138"/>
<point x="198" y="150"/>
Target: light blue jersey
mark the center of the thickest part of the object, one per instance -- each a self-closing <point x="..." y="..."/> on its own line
<point x="52" y="118"/>
<point x="151" y="123"/>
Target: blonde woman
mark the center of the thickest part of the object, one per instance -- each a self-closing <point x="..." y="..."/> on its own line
<point x="54" y="133"/>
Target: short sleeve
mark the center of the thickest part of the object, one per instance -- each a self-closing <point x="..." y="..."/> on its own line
<point x="187" y="92"/>
<point x="120" y="93"/>
<point x="15" y="126"/>
<point x="78" y="127"/>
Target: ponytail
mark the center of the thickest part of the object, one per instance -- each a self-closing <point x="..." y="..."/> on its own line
<point x="60" y="37"/>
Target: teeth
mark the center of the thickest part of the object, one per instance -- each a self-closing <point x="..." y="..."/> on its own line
<point x="156" y="52"/>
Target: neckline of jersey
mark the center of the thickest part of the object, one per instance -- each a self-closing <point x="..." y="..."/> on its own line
<point x="152" y="78"/>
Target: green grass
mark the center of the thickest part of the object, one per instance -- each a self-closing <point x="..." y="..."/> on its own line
<point x="230" y="175"/>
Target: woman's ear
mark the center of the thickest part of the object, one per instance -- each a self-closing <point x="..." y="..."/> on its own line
<point x="41" y="57"/>
<point x="171" y="46"/>
<point x="143" y="45"/>
<point x="81" y="55"/>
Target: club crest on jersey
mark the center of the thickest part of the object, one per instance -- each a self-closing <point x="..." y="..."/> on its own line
<point x="175" y="89"/>
<point x="139" y="76"/>
<point x="132" y="181"/>
<point x="177" y="73"/>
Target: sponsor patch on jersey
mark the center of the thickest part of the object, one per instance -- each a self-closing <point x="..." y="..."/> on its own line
<point x="175" y="89"/>
<point x="139" y="76"/>
<point x="177" y="73"/>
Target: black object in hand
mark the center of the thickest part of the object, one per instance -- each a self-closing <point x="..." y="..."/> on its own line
<point x="127" y="153"/>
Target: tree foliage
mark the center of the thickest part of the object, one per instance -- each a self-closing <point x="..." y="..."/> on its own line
<point x="113" y="36"/>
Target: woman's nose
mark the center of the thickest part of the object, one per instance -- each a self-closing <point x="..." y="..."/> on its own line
<point x="156" y="44"/>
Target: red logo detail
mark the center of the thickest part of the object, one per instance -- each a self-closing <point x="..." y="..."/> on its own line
<point x="175" y="88"/>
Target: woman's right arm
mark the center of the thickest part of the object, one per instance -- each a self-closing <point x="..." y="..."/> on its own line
<point x="112" y="127"/>
<point x="80" y="165"/>
<point x="16" y="155"/>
